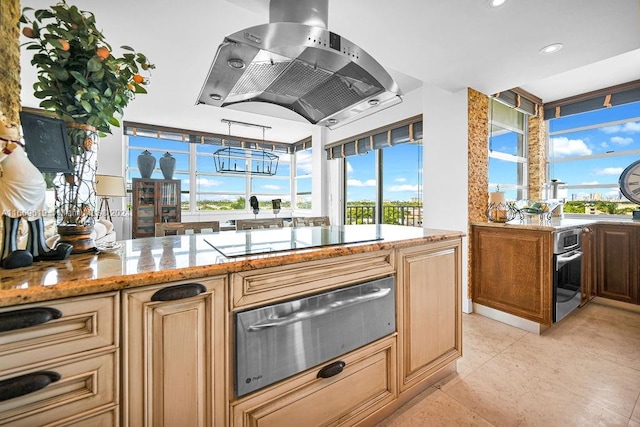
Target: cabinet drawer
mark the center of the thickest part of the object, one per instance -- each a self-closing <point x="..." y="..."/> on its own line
<point x="86" y="323"/>
<point x="367" y="383"/>
<point x="271" y="284"/>
<point x="84" y="385"/>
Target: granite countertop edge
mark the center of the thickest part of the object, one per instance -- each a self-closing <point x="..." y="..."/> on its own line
<point x="81" y="286"/>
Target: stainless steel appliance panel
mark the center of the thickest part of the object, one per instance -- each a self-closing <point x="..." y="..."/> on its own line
<point x="567" y="272"/>
<point x="277" y="341"/>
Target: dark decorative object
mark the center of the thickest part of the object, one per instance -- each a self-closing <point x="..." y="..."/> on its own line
<point x="46" y="142"/>
<point x="253" y="201"/>
<point x="275" y="203"/>
<point x="146" y="164"/>
<point x="167" y="165"/>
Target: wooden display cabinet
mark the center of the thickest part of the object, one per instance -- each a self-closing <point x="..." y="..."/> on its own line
<point x="154" y="200"/>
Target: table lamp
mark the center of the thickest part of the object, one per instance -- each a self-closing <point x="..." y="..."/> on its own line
<point x="108" y="186"/>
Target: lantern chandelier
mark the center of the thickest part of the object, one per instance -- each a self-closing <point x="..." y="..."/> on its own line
<point x="245" y="161"/>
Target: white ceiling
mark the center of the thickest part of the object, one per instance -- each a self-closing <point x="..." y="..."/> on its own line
<point x="452" y="44"/>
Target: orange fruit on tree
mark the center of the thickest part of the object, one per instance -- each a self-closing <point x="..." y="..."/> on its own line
<point x="102" y="52"/>
<point x="64" y="43"/>
<point x="28" y="32"/>
<point x="138" y="78"/>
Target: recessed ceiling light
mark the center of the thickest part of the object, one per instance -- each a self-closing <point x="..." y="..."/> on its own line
<point x="332" y="121"/>
<point x="374" y="101"/>
<point x="551" y="48"/>
<point x="215" y="96"/>
<point x="496" y="3"/>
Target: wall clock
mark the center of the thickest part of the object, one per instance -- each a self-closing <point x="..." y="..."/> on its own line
<point x="630" y="182"/>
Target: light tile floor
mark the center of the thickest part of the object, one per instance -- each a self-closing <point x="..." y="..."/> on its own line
<point x="584" y="371"/>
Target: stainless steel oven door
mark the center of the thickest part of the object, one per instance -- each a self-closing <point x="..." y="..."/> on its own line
<point x="277" y="341"/>
<point x="567" y="283"/>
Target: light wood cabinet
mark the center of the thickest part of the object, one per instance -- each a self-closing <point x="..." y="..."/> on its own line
<point x="367" y="383"/>
<point x="154" y="200"/>
<point x="428" y="310"/>
<point x="512" y="271"/>
<point x="617" y="252"/>
<point x="174" y="354"/>
<point x="269" y="285"/>
<point x="60" y="362"/>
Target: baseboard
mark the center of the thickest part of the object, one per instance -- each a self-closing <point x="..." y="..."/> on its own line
<point x="509" y="319"/>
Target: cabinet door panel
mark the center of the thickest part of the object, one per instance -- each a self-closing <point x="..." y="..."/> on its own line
<point x="430" y="309"/>
<point x="512" y="272"/>
<point x="174" y="370"/>
<point x="617" y="262"/>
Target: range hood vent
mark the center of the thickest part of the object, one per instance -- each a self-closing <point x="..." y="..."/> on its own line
<point x="295" y="62"/>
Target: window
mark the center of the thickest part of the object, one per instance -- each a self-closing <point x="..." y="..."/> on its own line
<point x="302" y="179"/>
<point x="204" y="189"/>
<point x="383" y="174"/>
<point x="588" y="152"/>
<point x="507" y="150"/>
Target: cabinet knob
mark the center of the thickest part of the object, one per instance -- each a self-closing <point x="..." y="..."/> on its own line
<point x="25" y="384"/>
<point x="19" y="319"/>
<point x="331" y="369"/>
<point x="177" y="292"/>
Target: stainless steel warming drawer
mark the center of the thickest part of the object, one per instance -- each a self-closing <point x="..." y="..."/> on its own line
<point x="277" y="341"/>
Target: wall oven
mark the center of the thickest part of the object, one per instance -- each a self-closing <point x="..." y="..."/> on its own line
<point x="277" y="341"/>
<point x="567" y="271"/>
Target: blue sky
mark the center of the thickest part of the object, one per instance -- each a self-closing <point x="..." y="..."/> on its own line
<point x="402" y="174"/>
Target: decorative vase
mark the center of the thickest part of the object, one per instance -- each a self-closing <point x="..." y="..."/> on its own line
<point x="75" y="192"/>
<point x="146" y="164"/>
<point x="167" y="165"/>
<point x="78" y="236"/>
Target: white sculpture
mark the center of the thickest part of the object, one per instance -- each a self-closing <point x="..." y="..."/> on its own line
<point x="22" y="195"/>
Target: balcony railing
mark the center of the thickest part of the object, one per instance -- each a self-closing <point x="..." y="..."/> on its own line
<point x="391" y="214"/>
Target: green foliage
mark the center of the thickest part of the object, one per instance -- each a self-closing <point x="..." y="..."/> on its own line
<point x="77" y="79"/>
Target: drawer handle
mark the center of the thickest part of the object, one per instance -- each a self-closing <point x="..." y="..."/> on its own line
<point x="172" y="293"/>
<point x="25" y="384"/>
<point x="19" y="319"/>
<point x="331" y="369"/>
<point x="297" y="316"/>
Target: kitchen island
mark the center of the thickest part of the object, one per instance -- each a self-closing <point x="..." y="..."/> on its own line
<point x="144" y="334"/>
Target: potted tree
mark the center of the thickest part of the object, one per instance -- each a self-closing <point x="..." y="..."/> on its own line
<point x="82" y="82"/>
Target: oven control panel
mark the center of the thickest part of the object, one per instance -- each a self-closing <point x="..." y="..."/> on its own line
<point x="567" y="240"/>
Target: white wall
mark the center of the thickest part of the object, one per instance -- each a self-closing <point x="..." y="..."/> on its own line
<point x="445" y="151"/>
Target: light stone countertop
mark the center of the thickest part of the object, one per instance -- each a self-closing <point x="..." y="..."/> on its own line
<point x="148" y="261"/>
<point x="556" y="223"/>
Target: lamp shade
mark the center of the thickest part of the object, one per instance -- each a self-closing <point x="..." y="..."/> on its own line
<point x="109" y="185"/>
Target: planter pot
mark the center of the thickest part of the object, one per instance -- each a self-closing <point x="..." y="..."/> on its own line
<point x="78" y="236"/>
<point x="146" y="164"/>
<point x="167" y="165"/>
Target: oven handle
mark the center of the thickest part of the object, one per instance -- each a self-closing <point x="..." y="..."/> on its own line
<point x="319" y="311"/>
<point x="565" y="259"/>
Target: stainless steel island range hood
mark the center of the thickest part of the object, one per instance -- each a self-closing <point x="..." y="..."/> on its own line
<point x="295" y="62"/>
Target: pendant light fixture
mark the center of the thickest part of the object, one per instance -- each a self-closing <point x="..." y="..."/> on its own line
<point x="245" y="160"/>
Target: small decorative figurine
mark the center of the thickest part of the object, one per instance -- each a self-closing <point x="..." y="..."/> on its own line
<point x="22" y="195"/>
